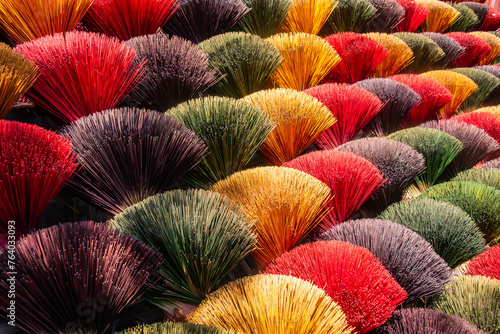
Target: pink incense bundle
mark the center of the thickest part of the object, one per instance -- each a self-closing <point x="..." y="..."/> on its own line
<point x="360" y="56"/>
<point x="352" y="106"/>
<point x="433" y="96"/>
<point x="476" y="49"/>
<point x="351" y="179"/>
<point x="81" y="73"/>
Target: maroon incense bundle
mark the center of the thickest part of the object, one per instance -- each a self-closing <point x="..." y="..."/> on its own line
<point x="70" y="273"/>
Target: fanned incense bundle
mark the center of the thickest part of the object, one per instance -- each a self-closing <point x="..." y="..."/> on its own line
<point x="450" y="230"/>
<point x="35" y="164"/>
<point x="17" y="75"/>
<point x="348" y="274"/>
<point x="477" y="145"/>
<point x="495" y="110"/>
<point x="125" y="19"/>
<point x="494" y="98"/>
<point x="459" y="85"/>
<point x="351" y="179"/>
<point x="265" y="16"/>
<point x="400" y="55"/>
<point x="352" y="107"/>
<point x="389" y="14"/>
<point x="299" y="120"/>
<point x="426" y="52"/>
<point x="308" y="59"/>
<point x="492" y="164"/>
<point x="177" y="70"/>
<point x="476" y="49"/>
<point x="349" y="15"/>
<point x="433" y="96"/>
<point x="285" y="204"/>
<point x="398" y="100"/>
<point x="484" y="120"/>
<point x="465" y="21"/>
<point x="486" y="264"/>
<point x="486" y="84"/>
<point x="493" y="41"/>
<point x="481" y="202"/>
<point x="81" y="73"/>
<point x="406" y="255"/>
<point x="307" y="16"/>
<point x="175" y="328"/>
<point x="130" y="154"/>
<point x="487" y="176"/>
<point x="438" y="148"/>
<point x="475" y="299"/>
<point x="441" y="17"/>
<point x="246" y="60"/>
<point x="270" y="304"/>
<point x="360" y="56"/>
<point x="479" y="9"/>
<point x="233" y="130"/>
<point x="451" y="48"/>
<point x="201" y="236"/>
<point x="198" y="20"/>
<point x="24" y="21"/>
<point x="400" y="164"/>
<point x="491" y="21"/>
<point x="415" y="15"/>
<point x="416" y="321"/>
<point x="70" y="273"/>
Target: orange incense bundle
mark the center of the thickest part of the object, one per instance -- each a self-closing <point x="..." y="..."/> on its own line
<point x="400" y="55"/>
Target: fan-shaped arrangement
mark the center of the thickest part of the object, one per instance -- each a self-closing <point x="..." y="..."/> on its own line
<point x="245" y="60"/>
<point x="174" y="328"/>
<point x="285" y="203"/>
<point x="399" y="163"/>
<point x="35" y="164"/>
<point x="232" y="130"/>
<point x="487" y="176"/>
<point x="177" y="71"/>
<point x="486" y="264"/>
<point x="265" y="16"/>
<point x="406" y="255"/>
<point x="399" y="57"/>
<point x="72" y="64"/>
<point x="130" y="154"/>
<point x="352" y="107"/>
<point x="299" y="119"/>
<point x="481" y="202"/>
<point x="265" y="304"/>
<point x="74" y="267"/>
<point x="351" y="179"/>
<point x="475" y="299"/>
<point x="201" y="236"/>
<point x="346" y="272"/>
<point x="449" y="229"/>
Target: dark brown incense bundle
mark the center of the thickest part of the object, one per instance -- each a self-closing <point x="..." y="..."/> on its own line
<point x="130" y="154"/>
<point x="198" y="20"/>
<point x="177" y="70"/>
<point x="70" y="273"/>
<point x="397" y="98"/>
<point x="398" y="162"/>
